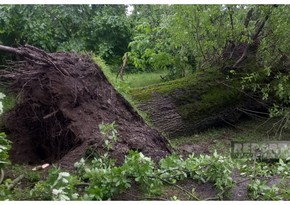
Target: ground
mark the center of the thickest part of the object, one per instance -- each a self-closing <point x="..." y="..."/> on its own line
<point x="202" y="143"/>
<point x="207" y="142"/>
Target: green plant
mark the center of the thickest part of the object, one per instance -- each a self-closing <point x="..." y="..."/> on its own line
<point x="283" y="169"/>
<point x="144" y="172"/>
<point x="215" y="168"/>
<point x="8" y="100"/>
<point x="109" y="132"/>
<point x="5" y="193"/>
<point x="173" y="168"/>
<point x="5" y="146"/>
<point x="2" y="96"/>
<point x="106" y="179"/>
<point x="60" y="28"/>
<point x="174" y="198"/>
<point x="58" y="186"/>
<point x="254" y="169"/>
<point x="101" y="179"/>
<point x="259" y="190"/>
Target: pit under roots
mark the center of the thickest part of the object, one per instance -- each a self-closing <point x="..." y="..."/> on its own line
<point x="40" y="141"/>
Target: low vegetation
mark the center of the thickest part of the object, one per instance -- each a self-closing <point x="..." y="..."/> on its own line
<point x="97" y="177"/>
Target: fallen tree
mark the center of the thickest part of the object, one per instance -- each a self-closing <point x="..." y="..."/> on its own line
<point x="237" y="82"/>
<point x="62" y="98"/>
<point x="189" y="105"/>
<point x="209" y="97"/>
<point x="220" y="95"/>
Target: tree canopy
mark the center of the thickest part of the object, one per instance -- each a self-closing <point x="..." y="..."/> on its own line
<point x="177" y="38"/>
<point x="102" y="29"/>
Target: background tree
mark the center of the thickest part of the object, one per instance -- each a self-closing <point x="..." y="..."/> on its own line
<point x="102" y="29"/>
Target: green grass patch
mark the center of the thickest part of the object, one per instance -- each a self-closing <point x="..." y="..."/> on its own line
<point x="143" y="79"/>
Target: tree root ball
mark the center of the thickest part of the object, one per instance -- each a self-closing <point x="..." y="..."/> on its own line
<point x="62" y="98"/>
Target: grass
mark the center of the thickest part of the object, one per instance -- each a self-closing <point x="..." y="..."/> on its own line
<point x="130" y="80"/>
<point x="143" y="79"/>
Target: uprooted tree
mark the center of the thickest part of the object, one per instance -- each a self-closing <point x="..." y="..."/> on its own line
<point x="61" y="100"/>
<point x="246" y="79"/>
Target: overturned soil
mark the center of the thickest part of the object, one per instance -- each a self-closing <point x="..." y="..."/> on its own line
<point x="62" y="98"/>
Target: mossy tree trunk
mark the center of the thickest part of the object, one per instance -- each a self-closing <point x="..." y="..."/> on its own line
<point x="188" y="105"/>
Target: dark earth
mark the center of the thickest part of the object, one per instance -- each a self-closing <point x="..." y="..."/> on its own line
<point x="62" y="98"/>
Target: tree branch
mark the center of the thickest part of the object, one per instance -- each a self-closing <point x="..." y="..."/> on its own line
<point x="15" y="182"/>
<point x="34" y="55"/>
<point x="10" y="50"/>
<point x="254" y="39"/>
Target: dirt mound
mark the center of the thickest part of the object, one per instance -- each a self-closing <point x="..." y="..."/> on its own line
<point x="62" y="98"/>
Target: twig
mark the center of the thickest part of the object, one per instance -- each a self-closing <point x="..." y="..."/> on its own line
<point x="50" y="114"/>
<point x="179" y="187"/>
<point x="2" y="176"/>
<point x="234" y="126"/>
<point x="254" y="38"/>
<point x="243" y="180"/>
<point x="252" y="114"/>
<point x="9" y="49"/>
<point x="153" y="198"/>
<point x="146" y="197"/>
<point x="29" y="55"/>
<point x="214" y="198"/>
<point x="40" y="50"/>
<point x="15" y="182"/>
<point x="253" y="111"/>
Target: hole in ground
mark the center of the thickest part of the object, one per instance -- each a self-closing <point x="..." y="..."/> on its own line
<point x="56" y="147"/>
<point x="37" y="141"/>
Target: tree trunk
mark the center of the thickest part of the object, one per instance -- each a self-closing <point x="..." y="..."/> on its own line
<point x="189" y="105"/>
<point x="123" y="67"/>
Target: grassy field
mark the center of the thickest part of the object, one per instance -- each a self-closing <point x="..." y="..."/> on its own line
<point x="130" y="80"/>
<point x="143" y="79"/>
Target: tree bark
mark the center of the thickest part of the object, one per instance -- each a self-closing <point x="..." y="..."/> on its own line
<point x="194" y="104"/>
<point x="123" y="66"/>
<point x="255" y="39"/>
